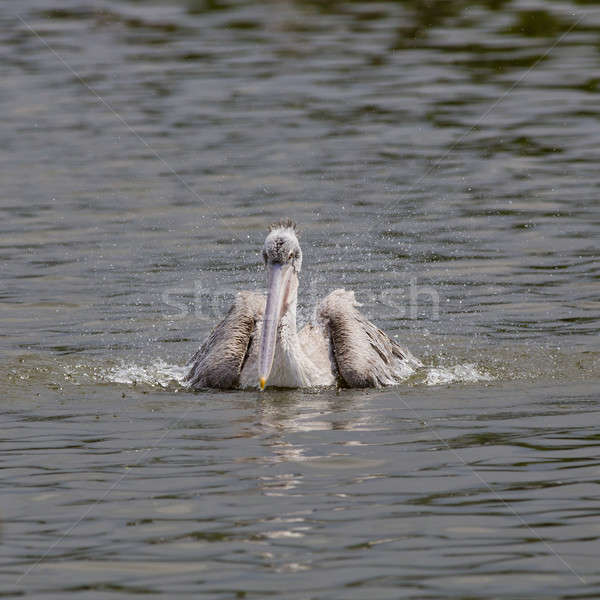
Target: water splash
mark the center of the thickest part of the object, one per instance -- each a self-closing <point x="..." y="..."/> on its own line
<point x="158" y="374"/>
<point x="461" y="373"/>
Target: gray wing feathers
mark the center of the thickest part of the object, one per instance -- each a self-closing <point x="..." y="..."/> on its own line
<point x="365" y="356"/>
<point x="218" y="362"/>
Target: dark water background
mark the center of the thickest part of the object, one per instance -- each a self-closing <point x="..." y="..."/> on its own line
<point x="441" y="159"/>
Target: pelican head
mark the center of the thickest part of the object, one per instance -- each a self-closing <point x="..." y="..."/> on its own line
<point x="283" y="261"/>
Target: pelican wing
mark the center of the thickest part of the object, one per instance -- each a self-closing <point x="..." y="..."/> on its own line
<point x="219" y="361"/>
<point x="364" y="355"/>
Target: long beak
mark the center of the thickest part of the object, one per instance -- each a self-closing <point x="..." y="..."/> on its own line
<point x="278" y="285"/>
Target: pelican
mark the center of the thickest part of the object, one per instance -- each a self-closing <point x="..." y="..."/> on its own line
<point x="258" y="341"/>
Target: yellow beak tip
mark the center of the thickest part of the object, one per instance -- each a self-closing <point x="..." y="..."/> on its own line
<point x="262" y="382"/>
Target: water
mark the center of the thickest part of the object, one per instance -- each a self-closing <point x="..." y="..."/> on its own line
<point x="440" y="159"/>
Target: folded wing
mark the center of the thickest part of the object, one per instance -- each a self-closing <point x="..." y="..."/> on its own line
<point x="219" y="361"/>
<point x="364" y="355"/>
